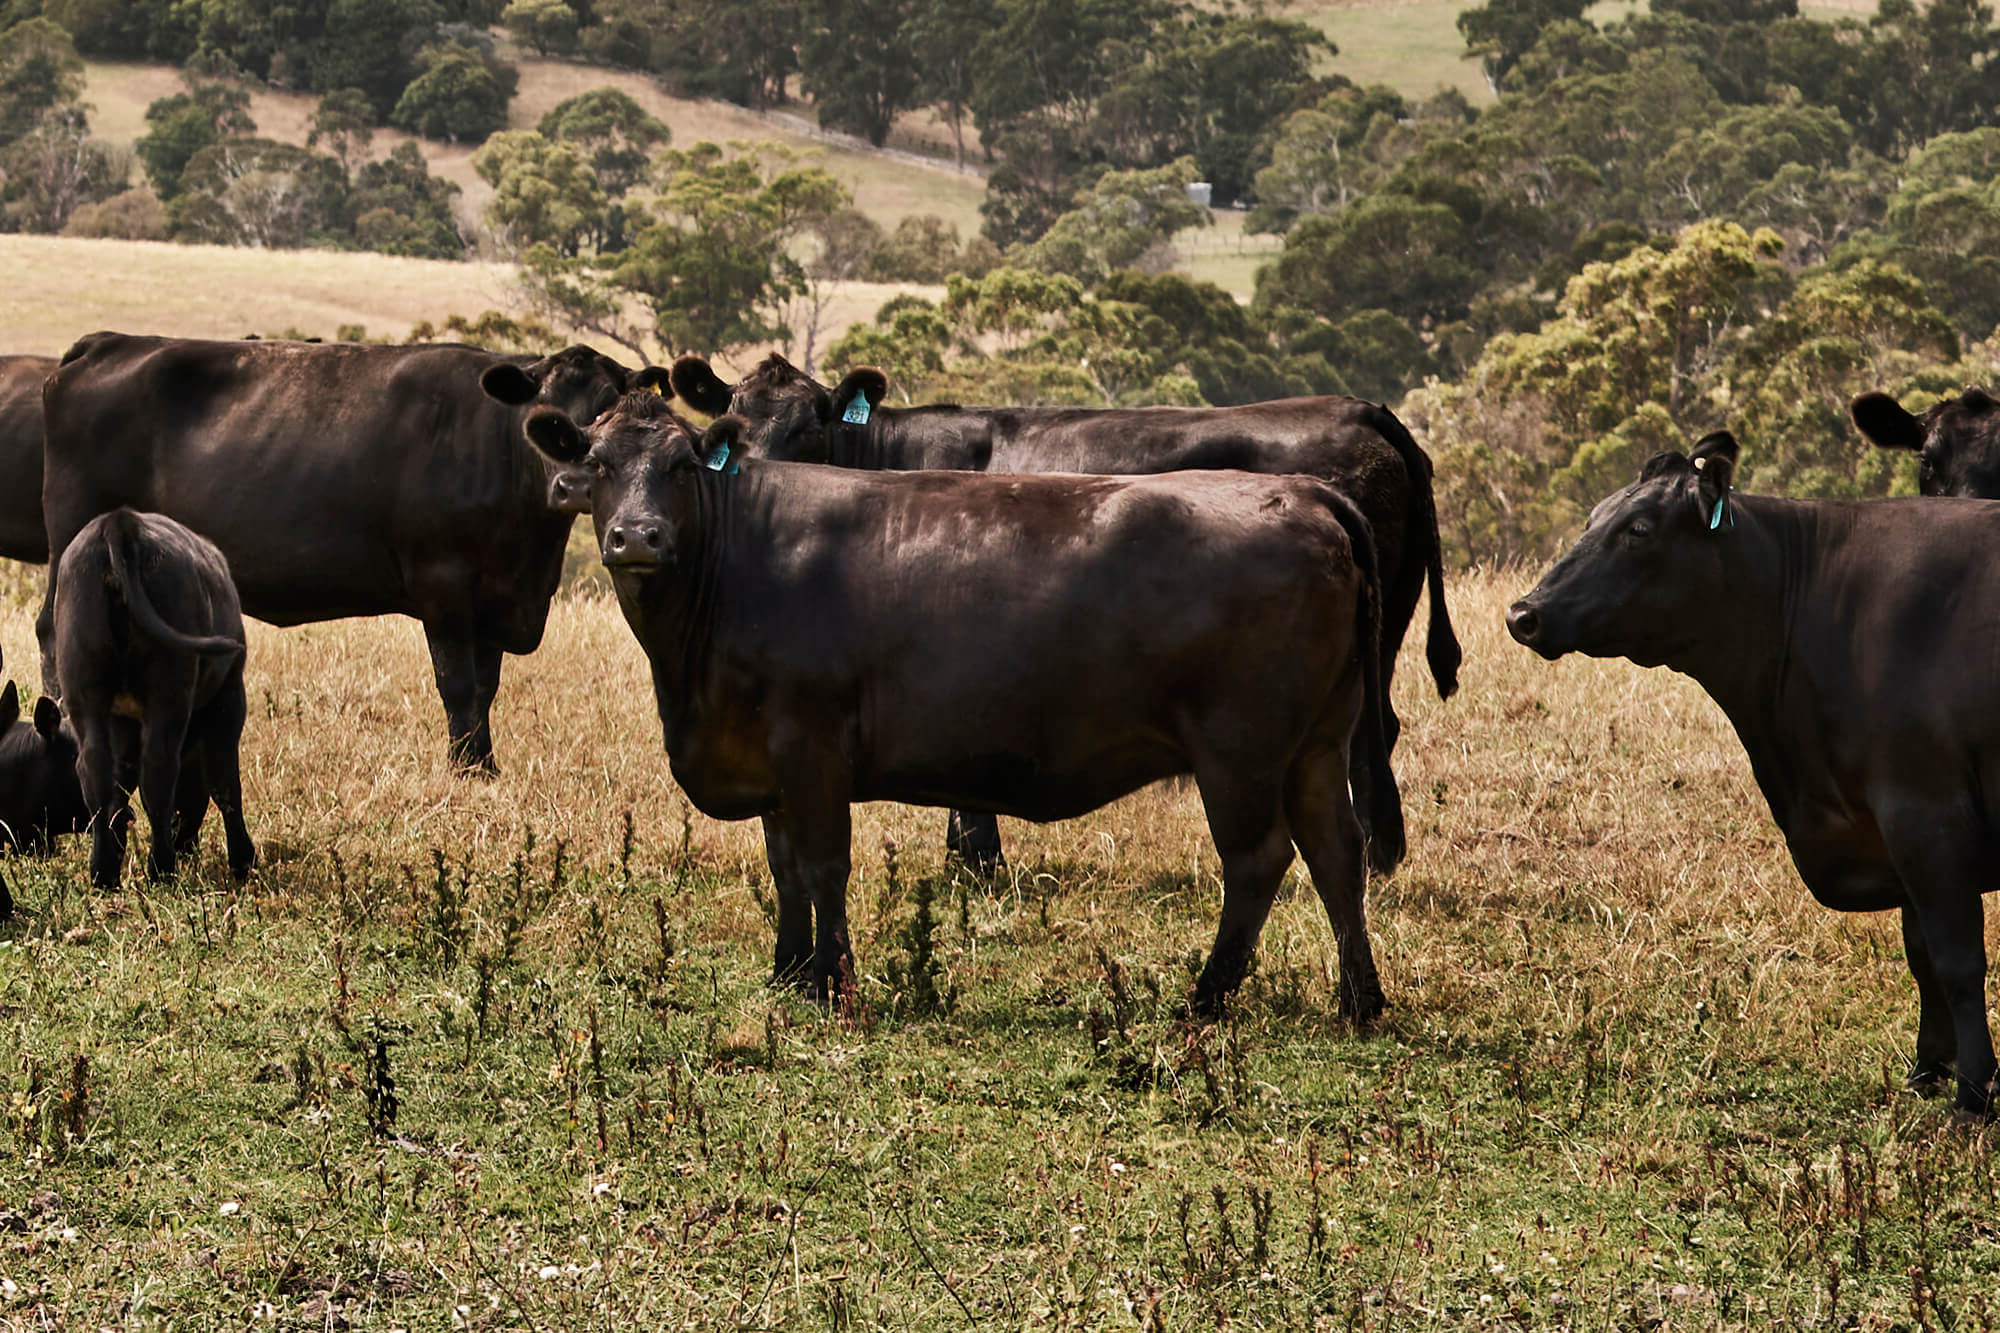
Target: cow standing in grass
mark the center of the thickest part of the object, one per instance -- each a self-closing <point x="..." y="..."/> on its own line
<point x="1037" y="646"/>
<point x="338" y="480"/>
<point x="1358" y="446"/>
<point x="21" y="535"/>
<point x="149" y="648"/>
<point x="40" y="797"/>
<point x="1852" y="646"/>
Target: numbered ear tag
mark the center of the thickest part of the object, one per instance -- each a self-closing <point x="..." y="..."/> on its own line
<point x="719" y="461"/>
<point x="857" y="410"/>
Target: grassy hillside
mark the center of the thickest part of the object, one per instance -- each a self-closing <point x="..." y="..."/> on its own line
<point x="886" y="188"/>
<point x="60" y="288"/>
<point x="1632" y="1077"/>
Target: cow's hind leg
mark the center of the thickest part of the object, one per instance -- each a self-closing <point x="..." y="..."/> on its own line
<point x="160" y="748"/>
<point x="974" y="838"/>
<point x="1937" y="1039"/>
<point x="1256" y="850"/>
<point x="190" y="802"/>
<point x="107" y="748"/>
<point x="1323" y="824"/>
<point x="810" y="859"/>
<point x="221" y="743"/>
<point x="456" y="656"/>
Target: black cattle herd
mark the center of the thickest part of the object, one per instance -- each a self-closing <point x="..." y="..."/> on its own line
<point x="1003" y="610"/>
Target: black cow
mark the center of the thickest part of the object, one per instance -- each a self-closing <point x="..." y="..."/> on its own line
<point x="338" y="480"/>
<point x="39" y="793"/>
<point x="21" y="535"/>
<point x="1032" y="645"/>
<point x="1358" y="446"/>
<point x="1957" y="441"/>
<point x="1870" y="725"/>
<point x="149" y="648"/>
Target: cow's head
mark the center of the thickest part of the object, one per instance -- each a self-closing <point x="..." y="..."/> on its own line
<point x="581" y="383"/>
<point x="1957" y="442"/>
<point x="788" y="414"/>
<point x="642" y="460"/>
<point x="1648" y="567"/>
<point x="40" y="796"/>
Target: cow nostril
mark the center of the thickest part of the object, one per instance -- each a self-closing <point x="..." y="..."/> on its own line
<point x="652" y="536"/>
<point x="1523" y="621"/>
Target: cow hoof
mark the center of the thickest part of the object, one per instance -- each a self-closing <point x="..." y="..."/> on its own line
<point x="1929" y="1080"/>
<point x="1364" y="1008"/>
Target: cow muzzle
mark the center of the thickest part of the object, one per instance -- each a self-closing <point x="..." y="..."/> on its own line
<point x="569" y="494"/>
<point x="1524" y="622"/>
<point x="641" y="543"/>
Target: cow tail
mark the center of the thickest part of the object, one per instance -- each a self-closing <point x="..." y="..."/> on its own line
<point x="1441" y="649"/>
<point x="121" y="542"/>
<point x="1384" y="802"/>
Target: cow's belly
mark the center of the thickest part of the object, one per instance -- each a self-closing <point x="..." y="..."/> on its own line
<point x="1027" y="786"/>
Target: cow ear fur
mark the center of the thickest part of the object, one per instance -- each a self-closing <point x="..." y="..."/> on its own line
<point x="700" y="387"/>
<point x="724" y="430"/>
<point x="48" y="717"/>
<point x="1976" y="398"/>
<point x="10" y="707"/>
<point x="1885" y="423"/>
<point x="555" y="434"/>
<point x="657" y="378"/>
<point x="509" y="384"/>
<point x="1714" y="458"/>
<point x="866" y="382"/>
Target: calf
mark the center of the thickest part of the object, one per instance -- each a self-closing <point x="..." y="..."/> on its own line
<point x="148" y="639"/>
<point x="39" y="795"/>
<point x="1034" y="645"/>
<point x="1868" y="717"/>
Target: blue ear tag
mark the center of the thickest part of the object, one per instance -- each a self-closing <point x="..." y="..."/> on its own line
<point x="719" y="461"/>
<point x="1721" y="508"/>
<point x="857" y="410"/>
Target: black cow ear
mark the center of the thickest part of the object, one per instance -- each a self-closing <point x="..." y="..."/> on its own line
<point x="555" y="434"/>
<point x="700" y="387"/>
<point x="1714" y="459"/>
<point x="722" y="443"/>
<point x="10" y="707"/>
<point x="509" y="384"/>
<point x="1976" y="398"/>
<point x="657" y="378"/>
<point x="860" y="394"/>
<point x="48" y="717"/>
<point x="1883" y="420"/>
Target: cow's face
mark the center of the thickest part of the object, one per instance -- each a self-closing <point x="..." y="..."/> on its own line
<point x="788" y="414"/>
<point x="582" y="384"/>
<point x="39" y="793"/>
<point x="1957" y="442"/>
<point x="1648" y="568"/>
<point x="640" y="458"/>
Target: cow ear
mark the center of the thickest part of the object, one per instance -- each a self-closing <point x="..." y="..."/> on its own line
<point x="10" y="707"/>
<point x="860" y="394"/>
<point x="722" y="443"/>
<point x="510" y="384"/>
<point x="555" y="434"/>
<point x="700" y="387"/>
<point x="657" y="378"/>
<point x="1714" y="458"/>
<point x="1883" y="420"/>
<point x="1976" y="398"/>
<point x="48" y="717"/>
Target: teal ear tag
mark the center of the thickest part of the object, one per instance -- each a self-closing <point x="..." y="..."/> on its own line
<point x="857" y="410"/>
<point x="1721" y="507"/>
<point x="719" y="461"/>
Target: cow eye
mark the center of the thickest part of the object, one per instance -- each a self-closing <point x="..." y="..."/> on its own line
<point x="1639" y="530"/>
<point x="595" y="464"/>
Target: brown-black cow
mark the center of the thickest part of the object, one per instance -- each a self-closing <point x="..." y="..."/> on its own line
<point x="149" y="649"/>
<point x="1358" y="446"/>
<point x="1034" y="645"/>
<point x="1850" y="644"/>
<point x="40" y="797"/>
<point x="21" y="535"/>
<point x="1957" y="441"/>
<point x="338" y="480"/>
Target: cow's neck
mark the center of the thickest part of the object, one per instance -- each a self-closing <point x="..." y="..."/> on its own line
<point x="678" y="607"/>
<point x="895" y="440"/>
<point x="1748" y="662"/>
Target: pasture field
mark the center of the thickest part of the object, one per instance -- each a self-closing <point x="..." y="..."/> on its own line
<point x="490" y="1056"/>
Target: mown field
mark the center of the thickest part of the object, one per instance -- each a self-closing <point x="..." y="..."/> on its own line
<point x="500" y="1055"/>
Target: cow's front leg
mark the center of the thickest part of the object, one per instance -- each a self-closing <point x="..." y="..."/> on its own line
<point x="792" y="964"/>
<point x="1936" y="854"/>
<point x="1937" y="1040"/>
<point x="456" y="659"/>
<point x="974" y="838"/>
<point x="810" y="860"/>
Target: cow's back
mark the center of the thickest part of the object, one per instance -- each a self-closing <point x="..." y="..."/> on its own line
<point x="21" y="534"/>
<point x="338" y="479"/>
